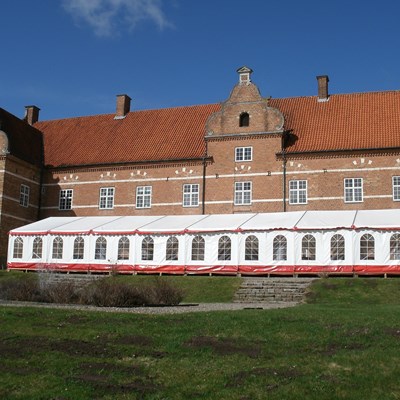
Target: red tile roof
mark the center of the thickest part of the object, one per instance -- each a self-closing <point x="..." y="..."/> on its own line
<point x="165" y="134"/>
<point x="344" y="122"/>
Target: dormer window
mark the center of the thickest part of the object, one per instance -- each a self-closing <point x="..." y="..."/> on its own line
<point x="244" y="119"/>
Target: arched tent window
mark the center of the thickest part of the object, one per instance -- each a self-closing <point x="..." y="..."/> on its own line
<point x="79" y="248"/>
<point x="18" y="247"/>
<point x="395" y="247"/>
<point x="224" y="248"/>
<point x="251" y="248"/>
<point x="58" y="244"/>
<point x="147" y="248"/>
<point x="337" y="247"/>
<point x="308" y="247"/>
<point x="279" y="248"/>
<point x="100" y="251"/>
<point x="171" y="252"/>
<point x="123" y="248"/>
<point x="198" y="248"/>
<point x="244" y="119"/>
<point x="37" y="247"/>
<point x="367" y="247"/>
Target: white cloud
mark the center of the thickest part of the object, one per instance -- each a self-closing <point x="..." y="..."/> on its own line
<point x="109" y="17"/>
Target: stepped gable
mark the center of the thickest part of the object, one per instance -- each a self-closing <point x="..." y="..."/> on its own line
<point x="343" y="122"/>
<point x="149" y="135"/>
<point x="20" y="139"/>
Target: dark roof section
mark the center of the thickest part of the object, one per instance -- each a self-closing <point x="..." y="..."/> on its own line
<point x="24" y="141"/>
<point x="150" y="135"/>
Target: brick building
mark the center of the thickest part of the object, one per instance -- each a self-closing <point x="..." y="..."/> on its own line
<point x="246" y="154"/>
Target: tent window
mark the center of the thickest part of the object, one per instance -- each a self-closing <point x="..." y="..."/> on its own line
<point x="101" y="248"/>
<point x="308" y="247"/>
<point x="395" y="247"/>
<point x="224" y="248"/>
<point x="198" y="248"/>
<point x="172" y="248"/>
<point x="58" y="248"/>
<point x="367" y="247"/>
<point x="244" y="119"/>
<point x="123" y="248"/>
<point x="37" y="247"/>
<point x="337" y="247"/>
<point x="279" y="248"/>
<point x="79" y="246"/>
<point x="18" y="247"/>
<point x="251" y="248"/>
<point x="147" y="249"/>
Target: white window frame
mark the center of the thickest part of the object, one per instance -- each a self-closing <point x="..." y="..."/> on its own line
<point x="143" y="196"/>
<point x="190" y="195"/>
<point x="65" y="199"/>
<point x="396" y="188"/>
<point x="106" y="198"/>
<point x="243" y="154"/>
<point x="353" y="193"/>
<point x="298" y="191"/>
<point x="24" y="193"/>
<point x="242" y="195"/>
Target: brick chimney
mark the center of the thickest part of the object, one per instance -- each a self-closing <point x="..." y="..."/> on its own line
<point x="323" y="87"/>
<point x="31" y="114"/>
<point x="123" y="106"/>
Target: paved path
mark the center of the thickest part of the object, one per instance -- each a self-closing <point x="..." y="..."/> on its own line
<point x="182" y="308"/>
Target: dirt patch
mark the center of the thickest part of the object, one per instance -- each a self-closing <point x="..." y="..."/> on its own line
<point x="107" y="368"/>
<point x="395" y="332"/>
<point x="136" y="340"/>
<point x="283" y="375"/>
<point x="333" y="348"/>
<point x="225" y="346"/>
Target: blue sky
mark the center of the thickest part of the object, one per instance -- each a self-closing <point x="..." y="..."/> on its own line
<point x="72" y="57"/>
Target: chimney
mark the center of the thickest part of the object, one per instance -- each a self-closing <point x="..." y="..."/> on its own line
<point x="123" y="106"/>
<point x="31" y="114"/>
<point x="323" y="87"/>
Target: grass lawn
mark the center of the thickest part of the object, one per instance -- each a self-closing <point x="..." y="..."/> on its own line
<point x="343" y="344"/>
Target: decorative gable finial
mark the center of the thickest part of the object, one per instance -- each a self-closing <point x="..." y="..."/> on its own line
<point x="244" y="75"/>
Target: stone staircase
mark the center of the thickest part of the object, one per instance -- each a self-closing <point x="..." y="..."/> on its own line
<point x="272" y="290"/>
<point x="79" y="280"/>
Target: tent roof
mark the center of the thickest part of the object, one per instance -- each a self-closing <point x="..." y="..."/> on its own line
<point x="305" y="220"/>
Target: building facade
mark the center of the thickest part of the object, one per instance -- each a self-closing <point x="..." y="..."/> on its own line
<point x="247" y="154"/>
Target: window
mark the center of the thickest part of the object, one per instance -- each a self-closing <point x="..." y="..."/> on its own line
<point x="337" y="247"/>
<point x="353" y="190"/>
<point x="37" y="247"/>
<point x="143" y="197"/>
<point x="279" y="248"/>
<point x="198" y="248"/>
<point x="123" y="248"/>
<point x="24" y="196"/>
<point x="79" y="248"/>
<point x="297" y="192"/>
<point x="224" y="248"/>
<point x="244" y="119"/>
<point x="242" y="193"/>
<point x="106" y="198"/>
<point x="308" y="247"/>
<point x="172" y="248"/>
<point x="58" y="248"/>
<point x="395" y="247"/>
<point x="18" y="247"/>
<point x="190" y="195"/>
<point x="367" y="247"/>
<point x="100" y="252"/>
<point x="243" y="154"/>
<point x="65" y="201"/>
<point x="147" y="248"/>
<point x="396" y="188"/>
<point x="251" y="248"/>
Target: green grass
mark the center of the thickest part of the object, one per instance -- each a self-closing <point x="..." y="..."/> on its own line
<point x="344" y="344"/>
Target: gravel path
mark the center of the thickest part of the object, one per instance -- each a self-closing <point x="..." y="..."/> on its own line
<point x="182" y="308"/>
